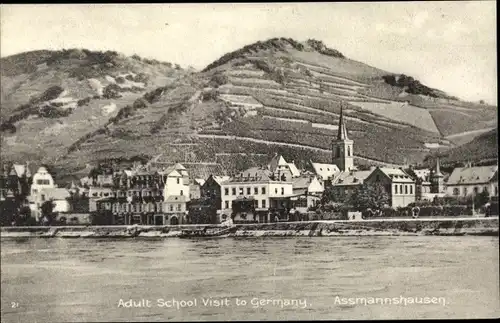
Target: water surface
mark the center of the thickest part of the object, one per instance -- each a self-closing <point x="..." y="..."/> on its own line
<point x="57" y="280"/>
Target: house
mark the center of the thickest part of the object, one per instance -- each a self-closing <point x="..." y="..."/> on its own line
<point x="280" y="167"/>
<point x="325" y="172"/>
<point x="399" y="185"/>
<point x="176" y="195"/>
<point x="96" y="193"/>
<point x="195" y="188"/>
<point x="429" y="183"/>
<point x="137" y="196"/>
<point x="58" y="196"/>
<point x="307" y="191"/>
<point x="469" y="180"/>
<point x="41" y="180"/>
<point x="345" y="183"/>
<point x="15" y="180"/>
<point x="175" y="209"/>
<point x="212" y="189"/>
<point x="259" y="185"/>
<point x="209" y="201"/>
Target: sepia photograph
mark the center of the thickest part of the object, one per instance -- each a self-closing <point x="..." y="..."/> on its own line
<point x="249" y="161"/>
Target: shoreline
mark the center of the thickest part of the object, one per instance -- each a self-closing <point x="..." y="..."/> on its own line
<point x="321" y="228"/>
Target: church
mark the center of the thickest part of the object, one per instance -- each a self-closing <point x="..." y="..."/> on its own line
<point x="399" y="185"/>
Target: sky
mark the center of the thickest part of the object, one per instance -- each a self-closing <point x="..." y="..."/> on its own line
<point x="446" y="45"/>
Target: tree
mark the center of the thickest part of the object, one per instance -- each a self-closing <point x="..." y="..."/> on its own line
<point x="47" y="209"/>
<point x="369" y="197"/>
<point x="481" y="199"/>
<point x="330" y="195"/>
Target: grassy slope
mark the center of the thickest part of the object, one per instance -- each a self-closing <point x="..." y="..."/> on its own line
<point x="311" y="89"/>
<point x="482" y="150"/>
<point x="48" y="138"/>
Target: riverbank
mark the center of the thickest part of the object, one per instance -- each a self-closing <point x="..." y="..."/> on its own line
<point x="383" y="227"/>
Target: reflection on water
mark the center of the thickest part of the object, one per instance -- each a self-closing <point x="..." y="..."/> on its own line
<point x="55" y="280"/>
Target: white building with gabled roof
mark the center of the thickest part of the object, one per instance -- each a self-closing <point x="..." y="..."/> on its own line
<point x="280" y="167"/>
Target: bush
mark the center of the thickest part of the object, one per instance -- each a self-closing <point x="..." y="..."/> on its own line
<point x="120" y="79"/>
<point x="111" y="91"/>
<point x="8" y="126"/>
<point x="217" y="80"/>
<point x="49" y="94"/>
<point x="83" y="102"/>
<point x="321" y="48"/>
<point x="48" y="111"/>
<point x="412" y="86"/>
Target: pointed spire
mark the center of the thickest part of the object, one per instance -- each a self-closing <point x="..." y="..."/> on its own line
<point x="342" y="133"/>
<point x="437" y="171"/>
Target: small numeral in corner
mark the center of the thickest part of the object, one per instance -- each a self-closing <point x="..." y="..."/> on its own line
<point x="14" y="304"/>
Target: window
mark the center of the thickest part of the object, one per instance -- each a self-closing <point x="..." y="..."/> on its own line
<point x="395" y="189"/>
<point x="226" y="191"/>
<point x="411" y="189"/>
<point x="263" y="204"/>
<point x="178" y="180"/>
<point x="178" y="207"/>
<point x="249" y="190"/>
<point x="348" y="150"/>
<point x="234" y="190"/>
<point x="406" y="189"/>
<point x="465" y="191"/>
<point x="485" y="189"/>
<point x="43" y="197"/>
<point x="276" y="190"/>
<point x="255" y="190"/>
<point x="226" y="204"/>
<point x="263" y="190"/>
<point x="282" y="191"/>
<point x="401" y="189"/>
<point x="456" y="191"/>
<point x="476" y="190"/>
<point x="171" y="207"/>
<point x="182" y="192"/>
<point x="35" y="191"/>
<point x="241" y="190"/>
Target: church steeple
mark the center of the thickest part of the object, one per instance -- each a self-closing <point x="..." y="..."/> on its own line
<point x="437" y="179"/>
<point x="342" y="146"/>
<point x="437" y="170"/>
<point x="342" y="132"/>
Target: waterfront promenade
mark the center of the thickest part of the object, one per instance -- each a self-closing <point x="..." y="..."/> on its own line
<point x="391" y="227"/>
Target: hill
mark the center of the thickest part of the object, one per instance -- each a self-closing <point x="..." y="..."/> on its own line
<point x="278" y="95"/>
<point x="50" y="99"/>
<point x="482" y="150"/>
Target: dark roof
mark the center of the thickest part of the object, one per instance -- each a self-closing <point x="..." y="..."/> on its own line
<point x="253" y="174"/>
<point x="301" y="182"/>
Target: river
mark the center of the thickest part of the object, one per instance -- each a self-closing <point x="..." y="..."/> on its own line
<point x="82" y="280"/>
